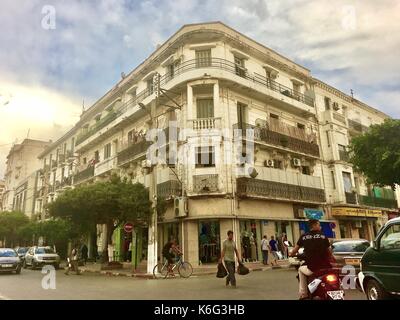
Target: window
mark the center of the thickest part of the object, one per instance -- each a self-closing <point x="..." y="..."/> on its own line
<point x="278" y="164"/>
<point x="343" y="153"/>
<point x="107" y="151"/>
<point x="241" y="114"/>
<point x="171" y="70"/>
<point x="239" y="67"/>
<point x="84" y="160"/>
<point x="205" y="108"/>
<point x="72" y="144"/>
<point x="391" y="238"/>
<point x="205" y="157"/>
<point x="296" y="87"/>
<point x="333" y="179"/>
<point x="274" y="116"/>
<point x="328" y="139"/>
<point x="150" y="86"/>
<point x="203" y="58"/>
<point x="96" y="156"/>
<point x="306" y="170"/>
<point x="347" y="182"/>
<point x="327" y="103"/>
<point x="301" y="126"/>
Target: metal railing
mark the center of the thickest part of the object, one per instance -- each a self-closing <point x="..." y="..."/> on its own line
<point x="377" y="202"/>
<point x="351" y="197"/>
<point x="357" y="126"/>
<point x="275" y="138"/>
<point x="84" y="174"/>
<point x="205" y="183"/>
<point x="247" y="187"/>
<point x="169" y="189"/>
<point x="344" y="155"/>
<point x="132" y="151"/>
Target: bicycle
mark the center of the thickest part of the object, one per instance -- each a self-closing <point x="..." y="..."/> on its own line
<point x="185" y="269"/>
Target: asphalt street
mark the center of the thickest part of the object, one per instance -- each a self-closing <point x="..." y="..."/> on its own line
<point x="278" y="284"/>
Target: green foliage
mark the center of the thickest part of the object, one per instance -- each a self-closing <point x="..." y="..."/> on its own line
<point x="10" y="224"/>
<point x="376" y="153"/>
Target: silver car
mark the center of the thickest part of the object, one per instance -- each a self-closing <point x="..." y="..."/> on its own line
<point x="40" y="256"/>
<point x="9" y="261"/>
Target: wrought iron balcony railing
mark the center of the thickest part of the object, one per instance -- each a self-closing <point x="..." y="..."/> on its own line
<point x="248" y="187"/>
<point x="132" y="151"/>
<point x="377" y="202"/>
<point x="168" y="189"/>
<point x="344" y="155"/>
<point x="84" y="174"/>
<point x="351" y="197"/>
<point x="275" y="138"/>
<point x="205" y="183"/>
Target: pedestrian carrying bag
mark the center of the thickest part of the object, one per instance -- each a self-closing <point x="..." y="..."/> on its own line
<point x="221" y="273"/>
<point x="242" y="269"/>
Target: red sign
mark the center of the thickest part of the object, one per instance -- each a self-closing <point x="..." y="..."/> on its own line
<point x="128" y="227"/>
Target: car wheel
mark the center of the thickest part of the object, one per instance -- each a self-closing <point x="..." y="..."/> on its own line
<point x="374" y="291"/>
<point x="33" y="265"/>
<point x="18" y="271"/>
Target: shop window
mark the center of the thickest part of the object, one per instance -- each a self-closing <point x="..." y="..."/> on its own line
<point x="248" y="240"/>
<point x="209" y="241"/>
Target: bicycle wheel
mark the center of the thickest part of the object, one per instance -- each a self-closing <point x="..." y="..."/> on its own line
<point x="185" y="269"/>
<point x="160" y="271"/>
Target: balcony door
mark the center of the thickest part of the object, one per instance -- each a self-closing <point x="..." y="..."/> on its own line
<point x="205" y="108"/>
<point x="347" y="182"/>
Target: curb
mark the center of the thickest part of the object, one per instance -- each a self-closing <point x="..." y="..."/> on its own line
<point x="148" y="276"/>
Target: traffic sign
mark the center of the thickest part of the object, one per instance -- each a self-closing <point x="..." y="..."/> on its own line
<point x="128" y="227"/>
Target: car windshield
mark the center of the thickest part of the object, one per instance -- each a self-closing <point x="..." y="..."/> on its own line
<point x="350" y="246"/>
<point x="7" y="253"/>
<point x="44" y="250"/>
<point x="22" y="250"/>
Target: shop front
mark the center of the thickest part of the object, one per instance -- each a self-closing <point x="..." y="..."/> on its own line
<point x="357" y="223"/>
<point x="250" y="239"/>
<point x="209" y="241"/>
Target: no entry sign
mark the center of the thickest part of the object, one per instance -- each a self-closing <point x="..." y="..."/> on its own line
<point x="128" y="227"/>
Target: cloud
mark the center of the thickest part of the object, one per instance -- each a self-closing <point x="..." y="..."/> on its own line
<point x="350" y="45"/>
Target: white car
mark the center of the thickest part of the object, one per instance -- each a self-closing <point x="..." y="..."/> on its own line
<point x="40" y="256"/>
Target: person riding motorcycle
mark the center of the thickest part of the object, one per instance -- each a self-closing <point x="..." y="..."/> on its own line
<point x="318" y="255"/>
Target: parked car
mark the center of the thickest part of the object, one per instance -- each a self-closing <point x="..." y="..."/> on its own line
<point x="349" y="252"/>
<point x="379" y="277"/>
<point x="40" y="256"/>
<point x="21" y="252"/>
<point x="9" y="261"/>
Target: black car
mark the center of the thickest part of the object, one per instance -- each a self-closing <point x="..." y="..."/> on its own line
<point x="9" y="261"/>
<point x="21" y="252"/>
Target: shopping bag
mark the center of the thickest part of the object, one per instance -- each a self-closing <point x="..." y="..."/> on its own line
<point x="242" y="269"/>
<point x="221" y="272"/>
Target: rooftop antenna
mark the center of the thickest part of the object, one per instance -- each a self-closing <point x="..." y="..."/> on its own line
<point x="29" y="130"/>
<point x="352" y="93"/>
<point x="83" y="106"/>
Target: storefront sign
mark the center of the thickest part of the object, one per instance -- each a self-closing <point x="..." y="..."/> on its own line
<point x="128" y="227"/>
<point x="356" y="212"/>
<point x="313" y="214"/>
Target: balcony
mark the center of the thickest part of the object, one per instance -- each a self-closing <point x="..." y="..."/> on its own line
<point x="206" y="123"/>
<point x="84" y="174"/>
<point x="344" y="156"/>
<point x="231" y="67"/>
<point x="377" y="202"/>
<point x="263" y="134"/>
<point x="111" y="116"/>
<point x="248" y="187"/>
<point x="205" y="183"/>
<point x="66" y="182"/>
<point x="351" y="198"/>
<point x="105" y="166"/>
<point x="169" y="189"/>
<point x="132" y="151"/>
<point x="61" y="158"/>
<point x="357" y="127"/>
<point x="334" y="117"/>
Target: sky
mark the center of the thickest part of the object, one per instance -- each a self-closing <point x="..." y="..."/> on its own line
<point x="55" y="54"/>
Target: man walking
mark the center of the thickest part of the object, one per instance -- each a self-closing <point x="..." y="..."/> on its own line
<point x="73" y="261"/>
<point x="229" y="250"/>
<point x="274" y="250"/>
<point x="264" y="249"/>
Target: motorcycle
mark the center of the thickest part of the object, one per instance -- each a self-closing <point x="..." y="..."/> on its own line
<point x="324" y="284"/>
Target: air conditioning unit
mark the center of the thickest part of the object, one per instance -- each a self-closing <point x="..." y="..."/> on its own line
<point x="146" y="163"/>
<point x="335" y="106"/>
<point x="296" y="162"/>
<point x="357" y="224"/>
<point x="180" y="207"/>
<point x="269" y="163"/>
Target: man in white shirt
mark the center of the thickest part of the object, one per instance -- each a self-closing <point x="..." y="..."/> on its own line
<point x="264" y="249"/>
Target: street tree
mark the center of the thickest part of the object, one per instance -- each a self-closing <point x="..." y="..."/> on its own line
<point x="10" y="224"/>
<point x="106" y="202"/>
<point x="376" y="153"/>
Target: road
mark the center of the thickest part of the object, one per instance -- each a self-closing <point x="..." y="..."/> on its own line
<point x="278" y="284"/>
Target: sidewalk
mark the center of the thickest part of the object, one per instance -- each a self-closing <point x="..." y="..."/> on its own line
<point x="140" y="272"/>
